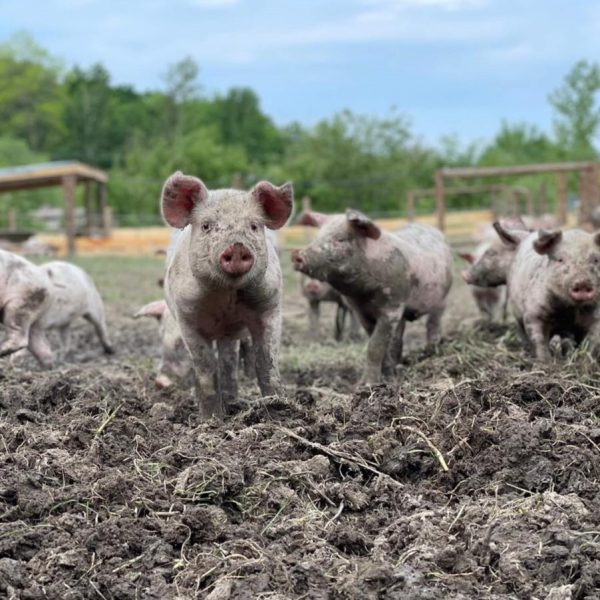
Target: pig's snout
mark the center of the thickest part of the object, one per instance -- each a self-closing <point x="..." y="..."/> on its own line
<point x="313" y="287"/>
<point x="297" y="260"/>
<point x="236" y="259"/>
<point x="466" y="276"/>
<point x="582" y="291"/>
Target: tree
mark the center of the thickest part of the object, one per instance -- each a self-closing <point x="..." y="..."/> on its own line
<point x="577" y="116"/>
<point x="241" y="121"/>
<point x="30" y="93"/>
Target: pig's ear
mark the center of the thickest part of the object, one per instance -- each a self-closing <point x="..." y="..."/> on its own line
<point x="362" y="224"/>
<point x="468" y="256"/>
<point x="179" y="196"/>
<point x="154" y="309"/>
<point x="312" y="219"/>
<point x="277" y="202"/>
<point x="547" y="241"/>
<point x="514" y="223"/>
<point x="510" y="237"/>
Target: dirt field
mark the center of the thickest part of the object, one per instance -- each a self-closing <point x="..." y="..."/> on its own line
<point x="475" y="475"/>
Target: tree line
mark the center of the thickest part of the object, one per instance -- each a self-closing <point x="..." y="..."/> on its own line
<point x="48" y="112"/>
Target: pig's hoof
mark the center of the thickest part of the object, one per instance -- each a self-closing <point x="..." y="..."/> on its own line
<point x="109" y="350"/>
<point x="162" y="382"/>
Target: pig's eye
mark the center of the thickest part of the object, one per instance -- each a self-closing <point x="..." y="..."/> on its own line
<point x="560" y="260"/>
<point x="254" y="226"/>
<point x="206" y="227"/>
<point x="596" y="260"/>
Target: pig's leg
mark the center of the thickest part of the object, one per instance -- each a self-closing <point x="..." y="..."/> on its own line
<point x="204" y="363"/>
<point x="266" y="337"/>
<point x="354" y="326"/>
<point x="394" y="355"/>
<point x="247" y="357"/>
<point x="537" y="332"/>
<point x="39" y="347"/>
<point x="314" y="314"/>
<point x="227" y="357"/>
<point x="340" y="321"/>
<point x="505" y="306"/>
<point x="378" y="348"/>
<point x="434" y="320"/>
<point x="97" y="319"/>
<point x="64" y="333"/>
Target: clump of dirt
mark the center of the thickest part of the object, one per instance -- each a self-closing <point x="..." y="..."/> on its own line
<point x="474" y="474"/>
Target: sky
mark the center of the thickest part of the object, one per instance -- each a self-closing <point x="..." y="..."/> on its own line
<point x="454" y="67"/>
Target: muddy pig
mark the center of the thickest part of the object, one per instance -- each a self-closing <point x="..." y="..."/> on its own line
<point x="554" y="286"/>
<point x="35" y="299"/>
<point x="73" y="295"/>
<point x="316" y="292"/>
<point x="488" y="272"/>
<point x="174" y="359"/>
<point x="388" y="278"/>
<point x="223" y="278"/>
<point x="24" y="298"/>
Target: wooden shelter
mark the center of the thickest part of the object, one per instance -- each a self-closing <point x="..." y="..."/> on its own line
<point x="588" y="184"/>
<point x="67" y="174"/>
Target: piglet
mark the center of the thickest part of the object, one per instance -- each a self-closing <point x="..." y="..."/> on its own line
<point x="174" y="358"/>
<point x="388" y="278"/>
<point x="554" y="286"/>
<point x="317" y="292"/>
<point x="223" y="278"/>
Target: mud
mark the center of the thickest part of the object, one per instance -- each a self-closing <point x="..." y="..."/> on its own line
<point x="473" y="475"/>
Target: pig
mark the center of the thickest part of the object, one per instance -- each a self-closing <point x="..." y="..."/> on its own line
<point x="554" y="286"/>
<point x="387" y="278"/>
<point x="315" y="292"/>
<point x="488" y="272"/>
<point x="35" y="299"/>
<point x="24" y="298"/>
<point x="73" y="295"/>
<point x="223" y="279"/>
<point x="174" y="359"/>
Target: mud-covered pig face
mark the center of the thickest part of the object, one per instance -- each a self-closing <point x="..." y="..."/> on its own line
<point x="489" y="267"/>
<point x="228" y="245"/>
<point x="574" y="261"/>
<point x="337" y="250"/>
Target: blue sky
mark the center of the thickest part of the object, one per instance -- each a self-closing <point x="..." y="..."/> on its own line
<point x="453" y="66"/>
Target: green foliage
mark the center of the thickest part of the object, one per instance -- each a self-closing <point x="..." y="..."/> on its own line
<point x="369" y="162"/>
<point x="31" y="96"/>
<point x="577" y="117"/>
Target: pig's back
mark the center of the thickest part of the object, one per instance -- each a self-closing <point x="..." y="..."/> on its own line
<point x="70" y="293"/>
<point x="430" y="262"/>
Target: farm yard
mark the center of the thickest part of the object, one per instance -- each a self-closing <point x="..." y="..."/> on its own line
<point x="473" y="474"/>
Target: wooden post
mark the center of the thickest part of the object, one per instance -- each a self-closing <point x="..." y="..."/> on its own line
<point x="104" y="215"/>
<point x="12" y="219"/>
<point x="89" y="220"/>
<point x="236" y="181"/>
<point x="593" y="198"/>
<point x="410" y="206"/>
<point x="494" y="205"/>
<point x="306" y="204"/>
<point x="69" y="183"/>
<point x="561" y="198"/>
<point x="440" y="201"/>
<point x="528" y="201"/>
<point x="583" y="211"/>
<point x="543" y="199"/>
